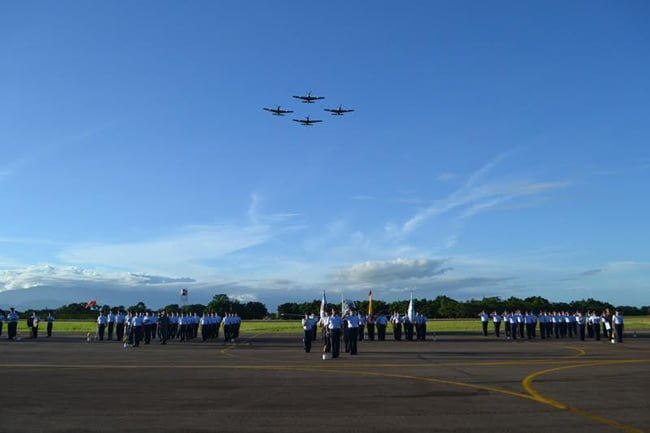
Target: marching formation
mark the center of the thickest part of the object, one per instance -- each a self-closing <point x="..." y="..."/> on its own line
<point x="556" y="324"/>
<point x="354" y="326"/>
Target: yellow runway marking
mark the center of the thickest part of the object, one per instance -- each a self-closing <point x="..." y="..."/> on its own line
<point x="527" y="384"/>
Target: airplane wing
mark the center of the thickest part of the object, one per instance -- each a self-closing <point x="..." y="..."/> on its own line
<point x="315" y="121"/>
<point x="317" y="97"/>
<point x="329" y="109"/>
<point x="348" y="111"/>
<point x="299" y="97"/>
<point x="286" y="111"/>
<point x="267" y="109"/>
<point x="299" y="120"/>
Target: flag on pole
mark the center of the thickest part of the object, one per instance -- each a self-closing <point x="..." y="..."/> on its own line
<point x="90" y="304"/>
<point x="411" y="311"/>
<point x="370" y="303"/>
<point x="323" y="306"/>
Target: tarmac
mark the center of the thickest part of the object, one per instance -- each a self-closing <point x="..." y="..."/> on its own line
<point x="267" y="383"/>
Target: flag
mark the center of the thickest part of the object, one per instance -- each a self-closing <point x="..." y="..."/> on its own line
<point x="347" y="306"/>
<point x="370" y="303"/>
<point x="90" y="304"/>
<point x="184" y="293"/>
<point x="323" y="306"/>
<point x="411" y="311"/>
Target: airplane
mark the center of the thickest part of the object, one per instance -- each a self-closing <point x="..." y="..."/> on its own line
<point x="338" y="111"/>
<point x="277" y="111"/>
<point x="308" y="99"/>
<point x="307" y="121"/>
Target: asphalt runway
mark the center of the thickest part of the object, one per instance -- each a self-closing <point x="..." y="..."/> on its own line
<point x="266" y="383"/>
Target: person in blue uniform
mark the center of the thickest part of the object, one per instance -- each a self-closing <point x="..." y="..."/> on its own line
<point x="618" y="326"/>
<point x="50" y="324"/>
<point x="352" y="320"/>
<point x="101" y="326"/>
<point x="484" y="322"/>
<point x="12" y="324"/>
<point x="334" y="325"/>
<point x="308" y="332"/>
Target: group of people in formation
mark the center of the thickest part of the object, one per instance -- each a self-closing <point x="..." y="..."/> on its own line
<point x="354" y="326"/>
<point x="134" y="328"/>
<point x="556" y="324"/>
<point x="33" y="324"/>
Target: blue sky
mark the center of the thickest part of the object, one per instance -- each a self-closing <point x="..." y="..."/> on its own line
<point x="496" y="149"/>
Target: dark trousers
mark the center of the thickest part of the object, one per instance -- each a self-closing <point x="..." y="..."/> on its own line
<point x="361" y="330"/>
<point x="484" y="325"/>
<point x="335" y="342"/>
<point x="513" y="330"/>
<point x="397" y="331"/>
<point x="120" y="331"/>
<point x="521" y="329"/>
<point x="619" y="332"/>
<point x="147" y="334"/>
<point x="137" y="335"/>
<point x="408" y="330"/>
<point x="581" y="329"/>
<point x="50" y="325"/>
<point x="100" y="331"/>
<point x="34" y="331"/>
<point x="11" y="330"/>
<point x="596" y="327"/>
<point x="507" y="328"/>
<point x="1" y="323"/>
<point x="371" y="331"/>
<point x="354" y="337"/>
<point x="497" y="328"/>
<point x="111" y="326"/>
<point x="346" y="338"/>
<point x="307" y="339"/>
<point x="163" y="334"/>
<point x="154" y="329"/>
<point x="381" y="332"/>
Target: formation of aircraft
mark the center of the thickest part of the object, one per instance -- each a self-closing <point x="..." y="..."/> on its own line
<point x="306" y="121"/>
<point x="340" y="111"/>
<point x="277" y="111"/>
<point x="308" y="99"/>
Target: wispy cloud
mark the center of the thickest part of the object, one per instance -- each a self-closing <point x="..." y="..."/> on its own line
<point x="479" y="194"/>
<point x="186" y="249"/>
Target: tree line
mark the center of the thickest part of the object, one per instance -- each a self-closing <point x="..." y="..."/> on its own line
<point x="219" y="304"/>
<point x="442" y="307"/>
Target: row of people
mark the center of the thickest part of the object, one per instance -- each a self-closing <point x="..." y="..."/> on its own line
<point x="135" y="327"/>
<point x="555" y="324"/>
<point x="33" y="323"/>
<point x="353" y="326"/>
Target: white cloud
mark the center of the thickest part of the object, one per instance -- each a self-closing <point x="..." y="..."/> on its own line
<point x="48" y="275"/>
<point x="479" y="195"/>
<point x="186" y="250"/>
<point x="391" y="270"/>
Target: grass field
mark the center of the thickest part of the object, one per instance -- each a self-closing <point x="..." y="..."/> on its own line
<point x="638" y="323"/>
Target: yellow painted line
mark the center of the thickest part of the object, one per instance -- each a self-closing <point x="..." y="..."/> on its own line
<point x="228" y="349"/>
<point x="527" y="384"/>
<point x="581" y="352"/>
